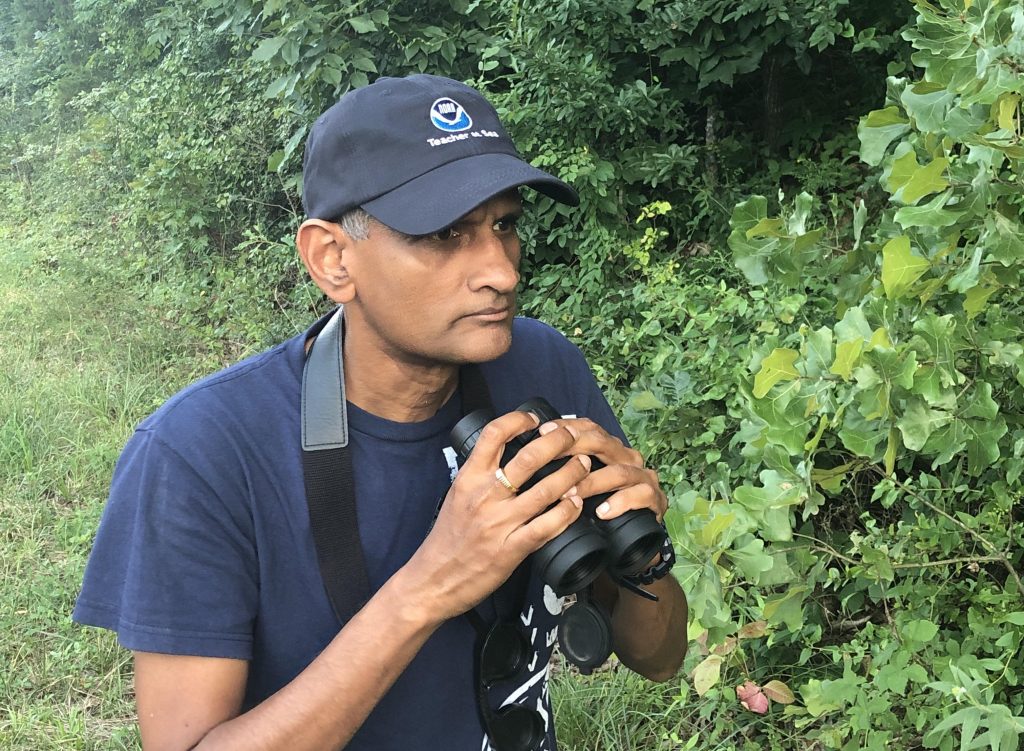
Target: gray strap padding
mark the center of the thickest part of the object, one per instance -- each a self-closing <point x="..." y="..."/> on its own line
<point x="324" y="415"/>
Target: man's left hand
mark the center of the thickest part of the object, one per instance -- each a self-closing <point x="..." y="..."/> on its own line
<point x="631" y="484"/>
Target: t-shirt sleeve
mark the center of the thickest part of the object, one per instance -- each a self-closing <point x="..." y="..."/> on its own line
<point x="173" y="568"/>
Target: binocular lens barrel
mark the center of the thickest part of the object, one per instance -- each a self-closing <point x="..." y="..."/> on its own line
<point x="572" y="560"/>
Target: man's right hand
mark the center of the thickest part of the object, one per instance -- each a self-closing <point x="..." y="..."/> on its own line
<point x="484" y="530"/>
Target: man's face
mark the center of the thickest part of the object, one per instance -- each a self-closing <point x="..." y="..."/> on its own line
<point x="446" y="298"/>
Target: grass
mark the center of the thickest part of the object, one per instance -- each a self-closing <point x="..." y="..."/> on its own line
<point x="84" y="361"/>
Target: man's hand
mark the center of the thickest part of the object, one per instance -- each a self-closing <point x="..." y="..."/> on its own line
<point x="648" y="637"/>
<point x="484" y="530"/>
<point x="624" y="476"/>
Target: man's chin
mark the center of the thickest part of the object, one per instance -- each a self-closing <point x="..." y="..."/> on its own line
<point x="487" y="345"/>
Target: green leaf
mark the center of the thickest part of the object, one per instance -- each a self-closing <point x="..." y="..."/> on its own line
<point x="924" y="181"/>
<point x="751" y="560"/>
<point x="1016" y="618"/>
<point x="776" y="491"/>
<point x="889" y="458"/>
<point x="983" y="443"/>
<point x="362" y="24"/>
<point x="275" y="160"/>
<point x="921" y="631"/>
<point x="946" y="442"/>
<point x="818" y="352"/>
<point x="854" y="325"/>
<point x="919" y="422"/>
<point x="1007" y="111"/>
<point x="282" y="85"/>
<point x="777" y="367"/>
<point x="900" y="267"/>
<point x="788" y="609"/>
<point x="267" y="49"/>
<point x="770" y="227"/>
<point x="901" y="170"/>
<point x="860" y="214"/>
<point x="645" y="401"/>
<point x="967" y="277"/>
<point x="981" y="404"/>
<point x="931" y="214"/>
<point x="861" y="436"/>
<point x="706" y="674"/>
<point x="847" y="354"/>
<point x="934" y="342"/>
<point x="710" y="532"/>
<point x="878" y="130"/>
<point x="1003" y="238"/>
<point x="976" y="299"/>
<point x="927" y="103"/>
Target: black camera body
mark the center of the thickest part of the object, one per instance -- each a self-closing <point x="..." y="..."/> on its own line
<point x="574" y="559"/>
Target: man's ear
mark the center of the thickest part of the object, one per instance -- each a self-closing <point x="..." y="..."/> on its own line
<point x="322" y="246"/>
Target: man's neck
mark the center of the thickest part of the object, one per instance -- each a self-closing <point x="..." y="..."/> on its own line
<point x="395" y="390"/>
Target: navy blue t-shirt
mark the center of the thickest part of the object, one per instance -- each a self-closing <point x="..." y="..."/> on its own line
<point x="205" y="548"/>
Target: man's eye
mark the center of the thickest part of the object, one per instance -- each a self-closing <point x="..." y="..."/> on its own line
<point x="444" y="235"/>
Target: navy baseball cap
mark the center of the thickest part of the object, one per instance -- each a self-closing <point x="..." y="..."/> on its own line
<point x="415" y="153"/>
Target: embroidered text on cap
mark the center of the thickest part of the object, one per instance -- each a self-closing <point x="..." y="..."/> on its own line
<point x="448" y="115"/>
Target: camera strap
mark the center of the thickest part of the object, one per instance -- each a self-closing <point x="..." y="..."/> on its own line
<point x="327" y="466"/>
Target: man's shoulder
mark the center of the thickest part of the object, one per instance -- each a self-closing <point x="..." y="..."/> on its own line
<point x="245" y="388"/>
<point x="530" y="336"/>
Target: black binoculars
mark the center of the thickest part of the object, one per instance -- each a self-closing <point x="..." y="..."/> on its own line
<point x="571" y="561"/>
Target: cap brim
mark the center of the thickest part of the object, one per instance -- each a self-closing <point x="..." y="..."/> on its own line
<point x="440" y="197"/>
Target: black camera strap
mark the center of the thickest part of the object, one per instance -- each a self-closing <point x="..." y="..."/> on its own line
<point x="327" y="466"/>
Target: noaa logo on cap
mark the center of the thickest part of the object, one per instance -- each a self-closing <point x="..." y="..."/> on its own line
<point x="448" y="115"/>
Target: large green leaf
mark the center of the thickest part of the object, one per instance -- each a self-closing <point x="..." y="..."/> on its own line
<point x="934" y="337"/>
<point x="861" y="436"/>
<point x="1003" y="238"/>
<point x="847" y="355"/>
<point x="983" y="443"/>
<point x="900" y="267"/>
<point x="932" y="214"/>
<point x="967" y="277"/>
<point x="919" y="422"/>
<point x="927" y="103"/>
<point x="777" y="367"/>
<point x="751" y="559"/>
<point x="818" y="352"/>
<point x="878" y="130"/>
<point x="922" y="181"/>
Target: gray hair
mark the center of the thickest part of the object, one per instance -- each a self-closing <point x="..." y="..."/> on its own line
<point x="356" y="223"/>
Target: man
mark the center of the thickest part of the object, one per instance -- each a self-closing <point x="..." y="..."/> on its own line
<point x="205" y="563"/>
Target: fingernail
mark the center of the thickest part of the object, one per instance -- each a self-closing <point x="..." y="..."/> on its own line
<point x="576" y="501"/>
<point x="570" y="492"/>
<point x="546" y="428"/>
<point x="585" y="460"/>
<point x="572" y="431"/>
<point x="603" y="509"/>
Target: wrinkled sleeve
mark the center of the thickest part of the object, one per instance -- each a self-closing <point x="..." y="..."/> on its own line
<point x="173" y="568"/>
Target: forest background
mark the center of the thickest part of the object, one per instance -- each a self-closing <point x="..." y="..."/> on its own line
<point x="796" y="271"/>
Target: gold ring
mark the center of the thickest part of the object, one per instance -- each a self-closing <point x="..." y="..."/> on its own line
<point x="499" y="473"/>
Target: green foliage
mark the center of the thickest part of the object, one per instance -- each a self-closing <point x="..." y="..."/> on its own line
<point x="881" y="538"/>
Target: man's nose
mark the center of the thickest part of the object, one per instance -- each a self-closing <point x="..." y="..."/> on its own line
<point x="496" y="264"/>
